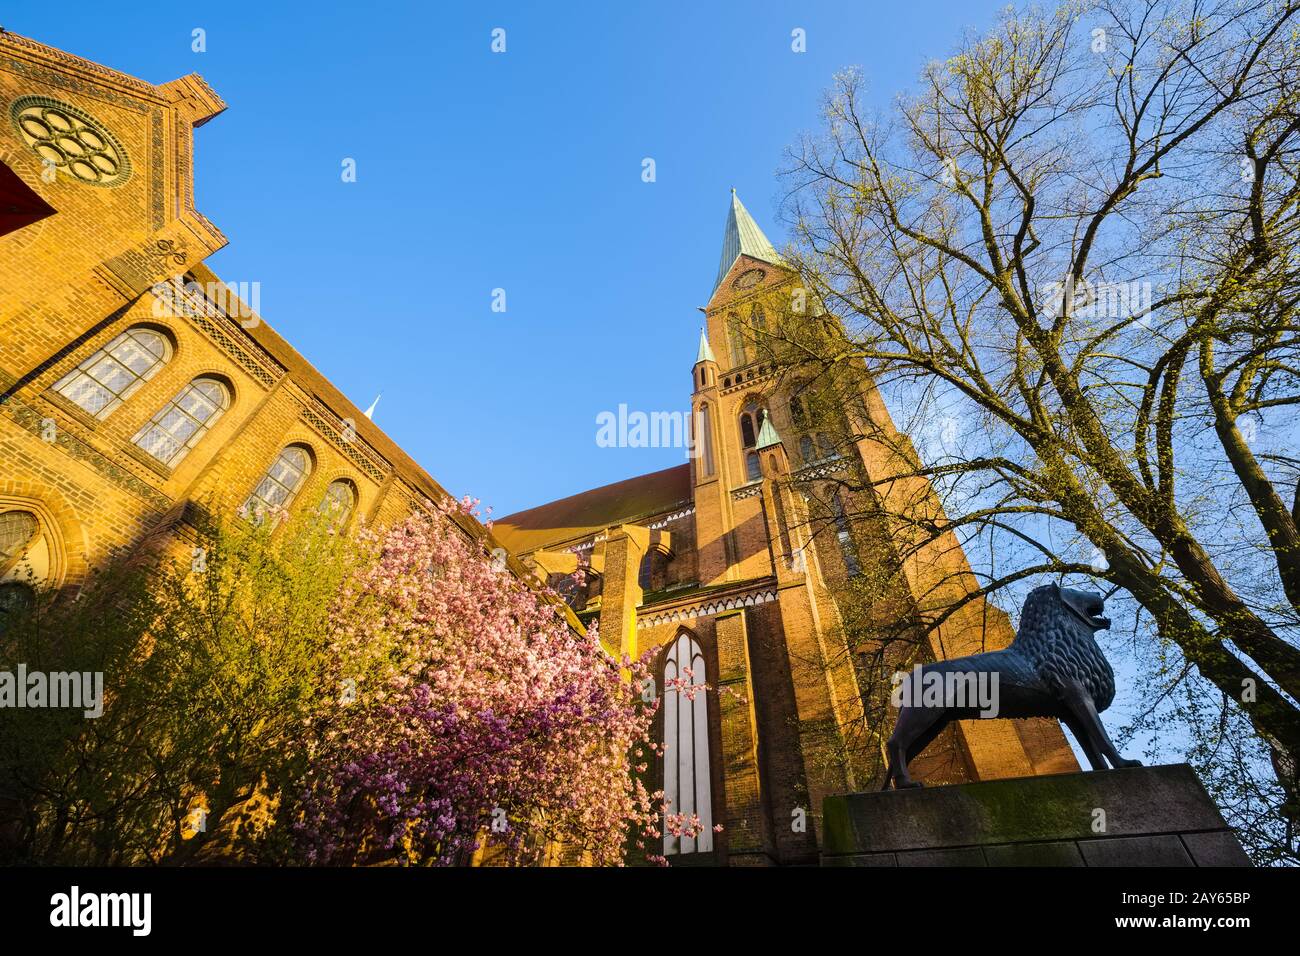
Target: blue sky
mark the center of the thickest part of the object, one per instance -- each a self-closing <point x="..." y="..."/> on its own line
<point x="478" y="171"/>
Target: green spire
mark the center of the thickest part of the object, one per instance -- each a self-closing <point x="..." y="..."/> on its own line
<point x="767" y="436"/>
<point x="705" y="353"/>
<point x="742" y="237"/>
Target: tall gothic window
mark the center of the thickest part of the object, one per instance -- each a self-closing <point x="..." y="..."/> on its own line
<point x="181" y="424"/>
<point x="806" y="450"/>
<point x="686" y="746"/>
<point x="737" y="341"/>
<point x="113" y="374"/>
<point x="757" y="318"/>
<point x="797" y="413"/>
<point x="704" y="440"/>
<point x="746" y="430"/>
<point x="843" y="531"/>
<point x="751" y="422"/>
<point x="753" y="467"/>
<point x="280" y="484"/>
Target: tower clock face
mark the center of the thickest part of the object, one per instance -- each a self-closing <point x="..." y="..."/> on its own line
<point x="748" y="279"/>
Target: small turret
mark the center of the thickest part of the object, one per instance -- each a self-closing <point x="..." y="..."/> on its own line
<point x="772" y="450"/>
<point x="706" y="366"/>
<point x="767" y="436"/>
<point x="705" y="353"/>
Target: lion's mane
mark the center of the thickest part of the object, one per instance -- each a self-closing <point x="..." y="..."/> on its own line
<point x="1060" y="646"/>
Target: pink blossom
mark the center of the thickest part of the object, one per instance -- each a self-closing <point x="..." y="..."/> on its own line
<point x="480" y="716"/>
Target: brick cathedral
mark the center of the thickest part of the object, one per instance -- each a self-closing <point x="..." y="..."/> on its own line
<point x="129" y="393"/>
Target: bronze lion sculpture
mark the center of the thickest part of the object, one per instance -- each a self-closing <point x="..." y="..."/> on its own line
<point x="1053" y="668"/>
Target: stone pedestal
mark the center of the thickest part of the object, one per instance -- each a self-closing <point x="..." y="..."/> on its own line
<point x="1142" y="816"/>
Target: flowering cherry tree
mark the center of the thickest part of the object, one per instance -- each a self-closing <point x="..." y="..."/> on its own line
<point x="470" y="714"/>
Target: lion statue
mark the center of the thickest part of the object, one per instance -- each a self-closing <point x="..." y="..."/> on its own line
<point x="1053" y="668"/>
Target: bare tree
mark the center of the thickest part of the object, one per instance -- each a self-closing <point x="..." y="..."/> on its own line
<point x="1075" y="245"/>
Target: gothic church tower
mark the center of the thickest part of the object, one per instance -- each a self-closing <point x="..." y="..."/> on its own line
<point x="731" y="571"/>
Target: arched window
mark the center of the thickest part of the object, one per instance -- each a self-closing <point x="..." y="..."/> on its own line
<point x="737" y="341"/>
<point x="746" y="430"/>
<point x="757" y="318"/>
<point x="180" y="424"/>
<point x="339" y="501"/>
<point x="797" y="413"/>
<point x="686" y="746"/>
<point x="753" y="467"/>
<point x="843" y="531"/>
<point x="114" y="373"/>
<point x="806" y="450"/>
<point x="751" y="422"/>
<point x="704" y="440"/>
<point x="825" y="446"/>
<point x="276" y="490"/>
<point x="645" y="573"/>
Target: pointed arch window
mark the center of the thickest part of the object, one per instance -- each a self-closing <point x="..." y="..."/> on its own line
<point x="687" y="786"/>
<point x="746" y="430"/>
<point x="844" y="532"/>
<point x="704" y="440"/>
<point x="114" y="373"/>
<point x="757" y="318"/>
<point x="281" y="483"/>
<point x="339" y="502"/>
<point x="753" y="467"/>
<point x="737" y="341"/>
<point x="181" y="424"/>
<point x="751" y="422"/>
<point x="797" y="414"/>
<point x="825" y="446"/>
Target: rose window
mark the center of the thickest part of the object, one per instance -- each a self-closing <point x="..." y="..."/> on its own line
<point x="71" y="140"/>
